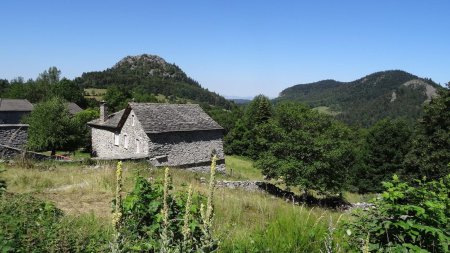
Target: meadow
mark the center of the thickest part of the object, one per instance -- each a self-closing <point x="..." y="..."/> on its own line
<point x="243" y="222"/>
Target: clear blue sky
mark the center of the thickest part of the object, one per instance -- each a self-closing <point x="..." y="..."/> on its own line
<point x="240" y="48"/>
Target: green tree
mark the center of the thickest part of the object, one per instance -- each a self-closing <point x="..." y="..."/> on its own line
<point x="430" y="152"/>
<point x="384" y="149"/>
<point x="307" y="149"/>
<point x="116" y="98"/>
<point x="52" y="127"/>
<point x="258" y="111"/>
<point x="81" y="119"/>
<point x="50" y="76"/>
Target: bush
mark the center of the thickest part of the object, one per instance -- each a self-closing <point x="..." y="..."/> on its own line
<point x="406" y="217"/>
<point x="31" y="225"/>
<point x="150" y="219"/>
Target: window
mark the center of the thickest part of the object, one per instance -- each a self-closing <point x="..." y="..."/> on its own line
<point x="138" y="148"/>
<point x="116" y="139"/>
<point x="132" y="120"/>
<point x="125" y="142"/>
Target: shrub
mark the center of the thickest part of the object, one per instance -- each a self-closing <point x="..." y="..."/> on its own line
<point x="406" y="217"/>
<point x="28" y="224"/>
<point x="150" y="219"/>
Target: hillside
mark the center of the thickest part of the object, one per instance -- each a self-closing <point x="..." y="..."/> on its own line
<point x="151" y="74"/>
<point x="364" y="101"/>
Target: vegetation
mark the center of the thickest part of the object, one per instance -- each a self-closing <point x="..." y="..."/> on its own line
<point x="383" y="151"/>
<point x="28" y="224"/>
<point x="143" y="77"/>
<point x="365" y="101"/>
<point x="47" y="85"/>
<point x="408" y="217"/>
<point x="430" y="152"/>
<point x="52" y="127"/>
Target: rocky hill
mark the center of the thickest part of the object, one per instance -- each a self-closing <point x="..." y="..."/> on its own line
<point x="151" y="74"/>
<point x="393" y="93"/>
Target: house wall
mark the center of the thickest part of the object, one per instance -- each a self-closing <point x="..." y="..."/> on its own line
<point x="14" y="135"/>
<point x="11" y="117"/>
<point x="190" y="150"/>
<point x="103" y="141"/>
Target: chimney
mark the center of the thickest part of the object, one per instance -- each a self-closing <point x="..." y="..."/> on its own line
<point x="103" y="111"/>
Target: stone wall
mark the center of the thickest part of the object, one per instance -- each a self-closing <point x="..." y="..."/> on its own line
<point x="7" y="153"/>
<point x="191" y="150"/>
<point x="103" y="141"/>
<point x="14" y="135"/>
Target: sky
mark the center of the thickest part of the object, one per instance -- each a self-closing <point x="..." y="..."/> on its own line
<point x="236" y="48"/>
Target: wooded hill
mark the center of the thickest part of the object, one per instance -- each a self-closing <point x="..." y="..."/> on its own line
<point x="151" y="74"/>
<point x="363" y="102"/>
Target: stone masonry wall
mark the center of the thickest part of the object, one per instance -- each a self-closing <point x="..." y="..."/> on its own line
<point x="191" y="150"/>
<point x="104" y="147"/>
<point x="14" y="135"/>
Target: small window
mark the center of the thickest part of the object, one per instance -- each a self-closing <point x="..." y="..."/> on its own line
<point x="116" y="139"/>
<point x="132" y="120"/>
<point x="138" y="148"/>
<point x="125" y="142"/>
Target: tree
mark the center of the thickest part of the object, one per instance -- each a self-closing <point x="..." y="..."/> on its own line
<point x="383" y="152"/>
<point x="306" y="149"/>
<point x="52" y="127"/>
<point x="116" y="98"/>
<point x="50" y="76"/>
<point x="258" y="111"/>
<point x="81" y="119"/>
<point x="430" y="153"/>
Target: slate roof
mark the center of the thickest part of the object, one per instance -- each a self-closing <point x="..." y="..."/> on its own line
<point x="73" y="108"/>
<point x="161" y="118"/>
<point x="17" y="105"/>
<point x="112" y="120"/>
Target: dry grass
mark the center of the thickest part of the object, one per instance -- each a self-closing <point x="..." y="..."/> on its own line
<point x="241" y="217"/>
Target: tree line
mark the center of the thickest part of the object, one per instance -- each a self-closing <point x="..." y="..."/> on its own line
<point x="303" y="147"/>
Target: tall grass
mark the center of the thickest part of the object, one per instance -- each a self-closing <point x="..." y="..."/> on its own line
<point x="243" y="221"/>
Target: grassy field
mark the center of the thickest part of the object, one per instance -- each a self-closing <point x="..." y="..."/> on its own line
<point x="326" y="110"/>
<point x="97" y="94"/>
<point x="244" y="221"/>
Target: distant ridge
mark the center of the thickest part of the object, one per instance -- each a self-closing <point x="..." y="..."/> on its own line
<point x="392" y="93"/>
<point x="151" y="74"/>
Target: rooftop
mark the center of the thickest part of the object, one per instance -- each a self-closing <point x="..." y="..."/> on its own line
<point x="18" y="105"/>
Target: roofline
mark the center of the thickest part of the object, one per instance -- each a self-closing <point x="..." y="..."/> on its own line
<point x="190" y="130"/>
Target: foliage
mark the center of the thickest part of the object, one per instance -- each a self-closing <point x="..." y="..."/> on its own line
<point x="52" y="127"/>
<point x="47" y="85"/>
<point x="151" y="219"/>
<point x="367" y="100"/>
<point x="430" y="152"/>
<point x="31" y="225"/>
<point x="414" y="217"/>
<point x="148" y="74"/>
<point x="306" y="149"/>
<point x="116" y="99"/>
<point x="383" y="150"/>
<point x="84" y="134"/>
<point x="243" y="137"/>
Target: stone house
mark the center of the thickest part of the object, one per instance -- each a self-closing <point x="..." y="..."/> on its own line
<point x="13" y="110"/>
<point x="12" y="132"/>
<point x="175" y="135"/>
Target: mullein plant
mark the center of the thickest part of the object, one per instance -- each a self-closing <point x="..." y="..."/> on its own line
<point x="186" y="245"/>
<point x="207" y="242"/>
<point x="117" y="215"/>
<point x="165" y="238"/>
